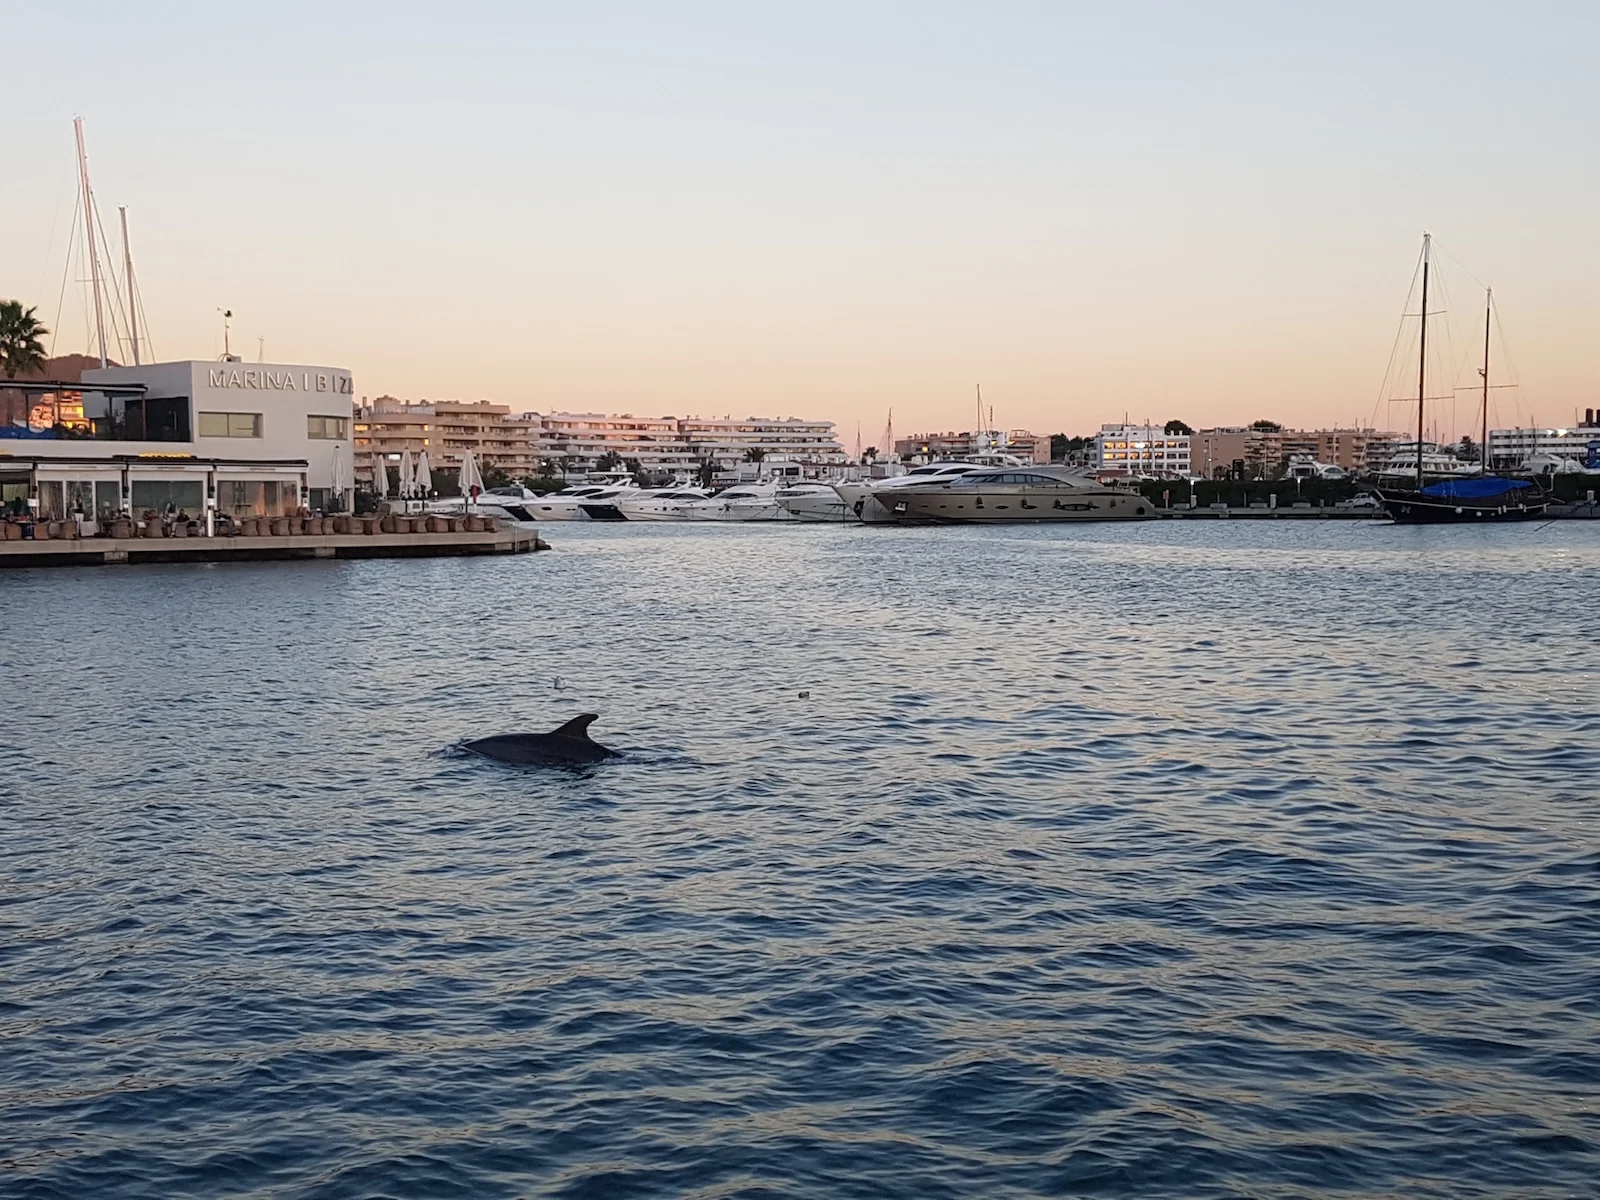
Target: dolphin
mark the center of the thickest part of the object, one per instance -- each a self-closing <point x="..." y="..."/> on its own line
<point x="569" y="745"/>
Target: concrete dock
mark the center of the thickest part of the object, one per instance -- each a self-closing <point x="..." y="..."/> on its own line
<point x="96" y="551"/>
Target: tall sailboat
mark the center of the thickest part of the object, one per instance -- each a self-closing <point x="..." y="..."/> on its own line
<point x="1474" y="499"/>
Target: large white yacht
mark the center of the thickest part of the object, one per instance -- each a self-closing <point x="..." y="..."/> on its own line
<point x="565" y="505"/>
<point x="742" y="502"/>
<point x="661" y="504"/>
<point x="602" y="505"/>
<point x="1012" y="494"/>
<point x="812" y="502"/>
<point x="863" y="496"/>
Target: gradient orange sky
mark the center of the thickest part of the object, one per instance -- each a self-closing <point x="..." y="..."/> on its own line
<point x="1165" y="210"/>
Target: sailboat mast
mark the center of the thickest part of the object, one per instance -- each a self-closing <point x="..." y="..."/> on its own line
<point x="88" y="225"/>
<point x="127" y="269"/>
<point x="1422" y="354"/>
<point x="1488" y="317"/>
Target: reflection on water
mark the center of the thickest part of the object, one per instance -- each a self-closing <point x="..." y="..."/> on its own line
<point x="1205" y="860"/>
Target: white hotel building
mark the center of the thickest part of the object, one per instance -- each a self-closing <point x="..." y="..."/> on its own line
<point x="257" y="439"/>
<point x="1142" y="450"/>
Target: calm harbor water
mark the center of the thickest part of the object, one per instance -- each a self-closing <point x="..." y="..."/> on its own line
<point x="1229" y="859"/>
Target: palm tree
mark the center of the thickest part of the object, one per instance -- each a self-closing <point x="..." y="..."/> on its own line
<point x="755" y="454"/>
<point x="609" y="461"/>
<point x="20" y="349"/>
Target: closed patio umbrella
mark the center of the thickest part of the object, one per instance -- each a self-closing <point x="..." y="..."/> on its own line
<point x="408" y="478"/>
<point x="471" y="478"/>
<point x="380" y="476"/>
<point x="336" y="500"/>
<point x="424" y="477"/>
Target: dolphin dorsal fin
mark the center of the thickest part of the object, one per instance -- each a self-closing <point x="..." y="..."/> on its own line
<point x="578" y="727"/>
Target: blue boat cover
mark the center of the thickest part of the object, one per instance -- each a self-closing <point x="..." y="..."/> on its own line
<point x="1480" y="488"/>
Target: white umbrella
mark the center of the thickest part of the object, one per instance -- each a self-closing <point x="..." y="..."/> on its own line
<point x="408" y="479"/>
<point x="380" y="476"/>
<point x="471" y="477"/>
<point x="337" y="504"/>
<point x="424" y="477"/>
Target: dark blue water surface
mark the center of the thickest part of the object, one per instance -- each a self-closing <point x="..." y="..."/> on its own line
<point x="1223" y="859"/>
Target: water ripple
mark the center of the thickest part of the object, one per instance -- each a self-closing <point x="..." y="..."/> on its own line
<point x="1233" y="860"/>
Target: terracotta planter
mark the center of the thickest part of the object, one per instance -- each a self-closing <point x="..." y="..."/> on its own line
<point x="387" y="525"/>
<point x="181" y="529"/>
<point x="153" y="529"/>
<point x="280" y="527"/>
<point x="13" y="531"/>
<point x="373" y="527"/>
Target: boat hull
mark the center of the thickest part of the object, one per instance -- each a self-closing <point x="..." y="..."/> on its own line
<point x="1413" y="508"/>
<point x="861" y="503"/>
<point x="1023" y="507"/>
<point x="817" y="508"/>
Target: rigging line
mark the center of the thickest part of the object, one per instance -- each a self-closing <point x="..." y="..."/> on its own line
<point x="116" y="287"/>
<point x="1394" y="351"/>
<point x="1482" y="286"/>
<point x="66" y="274"/>
<point x="55" y="224"/>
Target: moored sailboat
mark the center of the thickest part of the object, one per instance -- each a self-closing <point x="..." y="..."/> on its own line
<point x="1474" y="499"/>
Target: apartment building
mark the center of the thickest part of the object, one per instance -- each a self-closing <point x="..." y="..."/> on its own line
<point x="523" y="444"/>
<point x="1019" y="443"/>
<point x="1147" y="450"/>
<point x="446" y="429"/>
<point x="1543" y="449"/>
<point x="1262" y="453"/>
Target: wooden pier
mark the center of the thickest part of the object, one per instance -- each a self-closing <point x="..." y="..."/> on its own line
<point x="61" y="552"/>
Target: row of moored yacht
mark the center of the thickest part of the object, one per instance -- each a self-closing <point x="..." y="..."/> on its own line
<point x="948" y="492"/>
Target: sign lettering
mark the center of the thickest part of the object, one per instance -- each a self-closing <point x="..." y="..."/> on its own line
<point x="260" y="379"/>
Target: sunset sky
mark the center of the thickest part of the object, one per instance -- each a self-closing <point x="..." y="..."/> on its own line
<point x="1209" y="211"/>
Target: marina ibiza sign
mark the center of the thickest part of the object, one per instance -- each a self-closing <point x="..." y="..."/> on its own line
<point x="266" y="379"/>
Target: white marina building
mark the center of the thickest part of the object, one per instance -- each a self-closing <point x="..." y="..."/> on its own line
<point x="241" y="439"/>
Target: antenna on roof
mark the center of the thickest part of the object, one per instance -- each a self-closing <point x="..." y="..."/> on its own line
<point x="227" y="344"/>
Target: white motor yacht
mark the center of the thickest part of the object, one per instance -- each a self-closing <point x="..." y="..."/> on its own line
<point x="1009" y="494"/>
<point x="661" y="504"/>
<point x="565" y="505"/>
<point x="743" y="502"/>
<point x="602" y="505"/>
<point x="812" y="502"/>
<point x="862" y="498"/>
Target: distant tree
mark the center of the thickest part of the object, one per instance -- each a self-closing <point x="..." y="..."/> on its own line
<point x="1467" y="451"/>
<point x="869" y="455"/>
<point x="609" y="461"/>
<point x="707" y="472"/>
<point x="494" y="477"/>
<point x="20" y="348"/>
<point x="1265" y="426"/>
<point x="755" y="454"/>
<point x="1176" y="428"/>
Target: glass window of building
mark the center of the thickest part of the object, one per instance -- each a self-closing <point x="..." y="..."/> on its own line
<point x="328" y="428"/>
<point x="154" y="495"/>
<point x="230" y="424"/>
